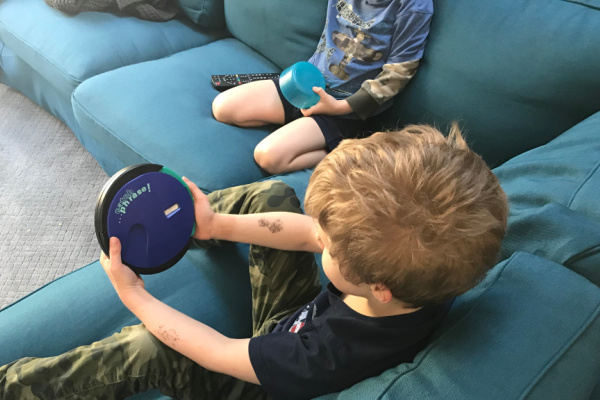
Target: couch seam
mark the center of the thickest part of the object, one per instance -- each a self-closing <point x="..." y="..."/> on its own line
<point x="84" y="109"/>
<point x="581" y="254"/>
<point x="43" y="55"/>
<point x="580" y="3"/>
<point x="582" y="184"/>
<point x="561" y="352"/>
<point x="434" y="345"/>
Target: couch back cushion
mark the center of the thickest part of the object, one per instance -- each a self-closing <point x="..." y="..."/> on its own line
<point x="65" y="51"/>
<point x="514" y="73"/>
<point x="207" y="14"/>
<point x="553" y="192"/>
<point x="284" y="31"/>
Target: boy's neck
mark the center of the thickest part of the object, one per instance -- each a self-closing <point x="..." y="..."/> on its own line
<point x="370" y="307"/>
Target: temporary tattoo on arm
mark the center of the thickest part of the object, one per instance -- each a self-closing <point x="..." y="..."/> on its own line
<point x="168" y="336"/>
<point x="274" y="226"/>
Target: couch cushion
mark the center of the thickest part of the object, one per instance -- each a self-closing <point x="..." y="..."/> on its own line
<point x="67" y="50"/>
<point x="208" y="14"/>
<point x="171" y="124"/>
<point x="553" y="192"/>
<point x="526" y="332"/>
<point x="284" y="31"/>
<point x="515" y="73"/>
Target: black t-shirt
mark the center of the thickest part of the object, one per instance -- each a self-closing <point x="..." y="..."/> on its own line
<point x="326" y="346"/>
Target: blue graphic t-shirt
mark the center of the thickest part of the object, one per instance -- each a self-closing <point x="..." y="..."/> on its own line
<point x="360" y="37"/>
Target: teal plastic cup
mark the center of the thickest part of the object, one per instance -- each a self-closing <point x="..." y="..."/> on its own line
<point x="297" y="82"/>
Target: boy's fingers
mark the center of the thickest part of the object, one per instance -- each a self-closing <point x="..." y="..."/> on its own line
<point x="189" y="183"/>
<point x="321" y="92"/>
<point x="115" y="250"/>
<point x="193" y="188"/>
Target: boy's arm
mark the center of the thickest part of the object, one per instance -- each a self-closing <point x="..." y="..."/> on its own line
<point x="278" y="230"/>
<point x="372" y="93"/>
<point x="386" y="85"/>
<point x="183" y="334"/>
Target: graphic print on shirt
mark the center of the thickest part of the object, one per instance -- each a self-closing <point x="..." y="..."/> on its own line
<point x="303" y="318"/>
<point x="352" y="47"/>
<point x="345" y="11"/>
<point x="322" y="46"/>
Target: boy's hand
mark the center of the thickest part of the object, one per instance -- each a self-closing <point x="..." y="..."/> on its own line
<point x="327" y="105"/>
<point x="203" y="212"/>
<point x="121" y="276"/>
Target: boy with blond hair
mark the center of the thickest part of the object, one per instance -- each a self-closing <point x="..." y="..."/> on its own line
<point x="405" y="221"/>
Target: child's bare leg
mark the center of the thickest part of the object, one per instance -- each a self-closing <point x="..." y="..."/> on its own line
<point x="295" y="146"/>
<point x="252" y="104"/>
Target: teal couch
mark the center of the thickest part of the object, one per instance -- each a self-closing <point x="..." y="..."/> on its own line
<point x="521" y="77"/>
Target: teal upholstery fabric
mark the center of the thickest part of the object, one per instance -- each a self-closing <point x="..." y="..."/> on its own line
<point x="67" y="50"/>
<point x="529" y="315"/>
<point x="514" y="73"/>
<point x="559" y="234"/>
<point x="553" y="192"/>
<point x="596" y="393"/>
<point x="172" y="123"/>
<point x="207" y="14"/>
<point x="284" y="31"/>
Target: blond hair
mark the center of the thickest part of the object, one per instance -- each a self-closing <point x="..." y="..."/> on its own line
<point x="413" y="210"/>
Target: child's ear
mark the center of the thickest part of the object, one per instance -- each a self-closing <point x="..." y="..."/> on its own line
<point x="382" y="293"/>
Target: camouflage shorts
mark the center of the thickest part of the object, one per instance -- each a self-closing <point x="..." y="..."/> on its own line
<point x="134" y="361"/>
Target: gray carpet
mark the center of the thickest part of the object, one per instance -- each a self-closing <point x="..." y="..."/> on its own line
<point x="48" y="189"/>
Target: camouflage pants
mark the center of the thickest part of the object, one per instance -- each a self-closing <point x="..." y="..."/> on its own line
<point x="134" y="361"/>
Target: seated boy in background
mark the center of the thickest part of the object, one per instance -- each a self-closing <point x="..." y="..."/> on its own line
<point x="405" y="221"/>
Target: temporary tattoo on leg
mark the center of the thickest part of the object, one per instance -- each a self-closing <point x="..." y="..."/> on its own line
<point x="169" y="337"/>
<point x="274" y="226"/>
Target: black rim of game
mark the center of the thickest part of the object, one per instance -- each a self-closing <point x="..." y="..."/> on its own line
<point x="107" y="194"/>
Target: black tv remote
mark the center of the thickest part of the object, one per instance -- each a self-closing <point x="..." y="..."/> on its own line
<point x="224" y="82"/>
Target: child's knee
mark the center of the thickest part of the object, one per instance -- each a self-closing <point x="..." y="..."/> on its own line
<point x="225" y="109"/>
<point x="268" y="159"/>
<point x="219" y="108"/>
